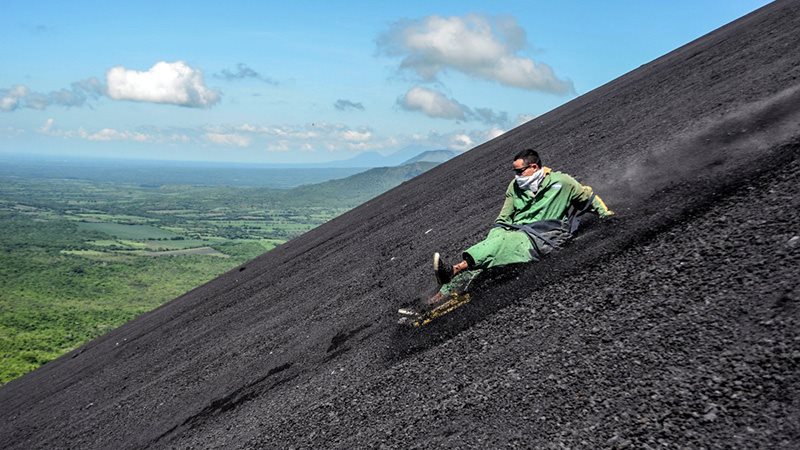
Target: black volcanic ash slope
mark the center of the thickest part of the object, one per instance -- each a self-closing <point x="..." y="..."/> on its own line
<point x="675" y="325"/>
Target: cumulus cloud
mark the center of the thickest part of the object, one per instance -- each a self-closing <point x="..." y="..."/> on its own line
<point x="344" y="105"/>
<point x="171" y="83"/>
<point x="435" y="104"/>
<point x="237" y="140"/>
<point x="432" y="104"/>
<point x="243" y="72"/>
<point x="475" y="45"/>
<point x="76" y="95"/>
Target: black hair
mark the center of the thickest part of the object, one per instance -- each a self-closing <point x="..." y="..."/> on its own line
<point x="530" y="156"/>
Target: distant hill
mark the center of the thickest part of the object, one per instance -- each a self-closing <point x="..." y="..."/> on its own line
<point x="436" y="156"/>
<point x="157" y="173"/>
<point x="405" y="156"/>
<point x="358" y="188"/>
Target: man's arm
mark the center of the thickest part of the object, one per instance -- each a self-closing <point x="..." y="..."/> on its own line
<point x="507" y="212"/>
<point x="582" y="193"/>
<point x="599" y="206"/>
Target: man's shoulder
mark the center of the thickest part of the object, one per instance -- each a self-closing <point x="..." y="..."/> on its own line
<point x="511" y="185"/>
<point x="559" y="174"/>
<point x="561" y="177"/>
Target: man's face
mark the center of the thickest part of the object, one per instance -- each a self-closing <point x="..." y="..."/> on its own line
<point x="524" y="170"/>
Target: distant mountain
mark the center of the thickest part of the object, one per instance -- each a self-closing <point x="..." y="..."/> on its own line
<point x="201" y="172"/>
<point x="358" y="188"/>
<point x="398" y="158"/>
<point x="156" y="173"/>
<point x="150" y="173"/>
<point x="363" y="160"/>
<point x="435" y="156"/>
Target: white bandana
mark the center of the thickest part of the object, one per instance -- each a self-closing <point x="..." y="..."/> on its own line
<point x="532" y="182"/>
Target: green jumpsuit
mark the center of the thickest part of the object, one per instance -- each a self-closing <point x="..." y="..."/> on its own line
<point x="557" y="192"/>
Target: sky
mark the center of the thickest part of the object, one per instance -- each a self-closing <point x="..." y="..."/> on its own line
<point x="313" y="81"/>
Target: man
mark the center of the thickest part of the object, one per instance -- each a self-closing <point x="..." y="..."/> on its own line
<point x="540" y="212"/>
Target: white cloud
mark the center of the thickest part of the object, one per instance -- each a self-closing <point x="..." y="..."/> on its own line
<point x="248" y="128"/>
<point x="309" y="137"/>
<point x="332" y="136"/>
<point x="229" y="139"/>
<point x="48" y="125"/>
<point x="8" y="103"/>
<point x="110" y="134"/>
<point x="461" y="142"/>
<point x="475" y="45"/>
<point x="177" y="137"/>
<point x="279" y="147"/>
<point x="356" y="136"/>
<point x="309" y="131"/>
<point x="524" y="118"/>
<point x="10" y="98"/>
<point x="433" y="104"/>
<point x="49" y="128"/>
<point x="77" y="94"/>
<point x="172" y="83"/>
<point x="493" y="133"/>
<point x="336" y="138"/>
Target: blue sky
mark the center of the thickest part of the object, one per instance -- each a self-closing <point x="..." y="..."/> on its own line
<point x="313" y="81"/>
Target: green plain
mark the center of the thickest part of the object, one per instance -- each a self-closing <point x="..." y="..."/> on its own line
<point x="79" y="258"/>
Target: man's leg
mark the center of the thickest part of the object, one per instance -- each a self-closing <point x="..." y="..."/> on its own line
<point x="499" y="248"/>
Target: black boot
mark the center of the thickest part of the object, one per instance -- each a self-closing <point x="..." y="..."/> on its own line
<point x="442" y="270"/>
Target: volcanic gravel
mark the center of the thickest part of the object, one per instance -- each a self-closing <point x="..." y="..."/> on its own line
<point x="675" y="324"/>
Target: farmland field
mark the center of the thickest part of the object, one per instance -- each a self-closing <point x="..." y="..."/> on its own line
<point x="80" y="257"/>
<point x="123" y="231"/>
